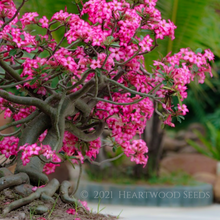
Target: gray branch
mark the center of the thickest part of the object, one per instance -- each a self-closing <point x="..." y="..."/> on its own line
<point x="30" y="101"/>
<point x="85" y="136"/>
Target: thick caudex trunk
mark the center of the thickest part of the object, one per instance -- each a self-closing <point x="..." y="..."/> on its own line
<point x="30" y="135"/>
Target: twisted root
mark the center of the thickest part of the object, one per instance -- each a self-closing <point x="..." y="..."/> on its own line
<point x="45" y="193"/>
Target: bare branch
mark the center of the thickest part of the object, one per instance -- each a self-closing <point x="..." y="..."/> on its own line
<point x="76" y="95"/>
<point x="85" y="136"/>
<point x="11" y="134"/>
<point x="74" y="43"/>
<point x="117" y="103"/>
<point x="128" y="89"/>
<point x="22" y="121"/>
<point x="104" y="161"/>
<point x="15" y="84"/>
<point x="84" y="76"/>
<point x="9" y="70"/>
<point x="30" y="101"/>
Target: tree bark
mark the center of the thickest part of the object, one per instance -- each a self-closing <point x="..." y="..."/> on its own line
<point x="30" y="135"/>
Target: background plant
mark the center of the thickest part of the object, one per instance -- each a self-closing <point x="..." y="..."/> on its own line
<point x="210" y="144"/>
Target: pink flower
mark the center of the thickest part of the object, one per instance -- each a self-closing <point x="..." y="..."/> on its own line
<point x="208" y="54"/>
<point x="44" y="22"/>
<point x="28" y="18"/>
<point x="116" y="53"/>
<point x="146" y="43"/>
<point x="85" y="204"/>
<point x="50" y="168"/>
<point x="168" y="121"/>
<point x="183" y="108"/>
<point x="72" y="212"/>
<point x="95" y="64"/>
<point x="189" y="56"/>
<point x="7" y="113"/>
<point x="34" y="149"/>
<point x="34" y="188"/>
<point x="70" y="63"/>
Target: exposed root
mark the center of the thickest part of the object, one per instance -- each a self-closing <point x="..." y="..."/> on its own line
<point x="48" y="190"/>
<point x="5" y="172"/>
<point x="41" y="209"/>
<point x="14" y="180"/>
<point x="64" y="195"/>
<point x="35" y="176"/>
<point x="20" y="183"/>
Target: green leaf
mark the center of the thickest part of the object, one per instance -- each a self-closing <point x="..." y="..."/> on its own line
<point x="22" y="36"/>
<point x="38" y="38"/>
<point x="164" y="82"/>
<point x="114" y="148"/>
<point x="139" y="13"/>
<point x="110" y="38"/>
<point x="199" y="50"/>
<point x="98" y="71"/>
<point x="179" y="119"/>
<point x="182" y="117"/>
<point x="36" y="90"/>
<point x="162" y="73"/>
<point x="10" y="35"/>
<point x="115" y="44"/>
<point x="33" y="81"/>
<point x="135" y="41"/>
<point x="146" y="31"/>
<point x="207" y="144"/>
<point x="198" y="148"/>
<point x="13" y="52"/>
<point x="195" y="68"/>
<point x="72" y="157"/>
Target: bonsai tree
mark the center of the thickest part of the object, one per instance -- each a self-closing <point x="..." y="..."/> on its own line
<point x="62" y="95"/>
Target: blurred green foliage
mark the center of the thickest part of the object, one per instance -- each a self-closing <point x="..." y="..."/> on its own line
<point x="188" y="17"/>
<point x="179" y="178"/>
<point x="211" y="143"/>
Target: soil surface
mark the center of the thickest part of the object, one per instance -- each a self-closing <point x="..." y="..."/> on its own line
<point x="57" y="212"/>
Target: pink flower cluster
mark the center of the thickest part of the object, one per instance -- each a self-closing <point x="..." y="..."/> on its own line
<point x="45" y="150"/>
<point x="73" y="146"/>
<point x="19" y="111"/>
<point x="137" y="150"/>
<point x="8" y="146"/>
<point x="7" y="9"/>
<point x="126" y="121"/>
<point x="29" y="18"/>
<point x="71" y="211"/>
<point x="175" y="72"/>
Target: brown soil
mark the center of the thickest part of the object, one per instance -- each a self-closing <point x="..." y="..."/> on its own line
<point x="56" y="213"/>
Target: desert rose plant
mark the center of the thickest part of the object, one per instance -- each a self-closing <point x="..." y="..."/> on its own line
<point x="61" y="95"/>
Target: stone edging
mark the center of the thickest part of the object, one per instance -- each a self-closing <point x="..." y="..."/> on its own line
<point x="142" y="195"/>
